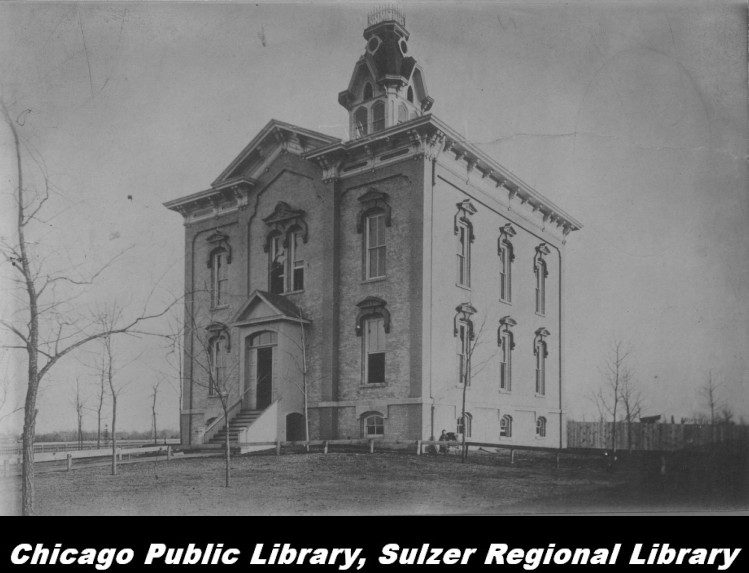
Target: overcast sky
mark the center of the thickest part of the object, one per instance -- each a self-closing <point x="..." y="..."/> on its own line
<point x="630" y="116"/>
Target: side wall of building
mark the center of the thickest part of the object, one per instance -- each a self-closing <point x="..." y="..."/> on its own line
<point x="486" y="402"/>
<point x="397" y="400"/>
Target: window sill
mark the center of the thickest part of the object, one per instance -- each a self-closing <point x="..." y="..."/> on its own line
<point x="219" y="307"/>
<point x="505" y="390"/>
<point x="464" y="287"/>
<point x="374" y="385"/>
<point x="460" y="386"/>
<point x="541" y="314"/>
<point x="374" y="280"/>
<point x="293" y="292"/>
<point x="504" y="301"/>
<point x="537" y="395"/>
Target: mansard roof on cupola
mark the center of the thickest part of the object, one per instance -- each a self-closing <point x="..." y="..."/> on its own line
<point x="386" y="63"/>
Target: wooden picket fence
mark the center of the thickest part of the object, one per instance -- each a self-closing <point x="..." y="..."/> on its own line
<point x="655" y="437"/>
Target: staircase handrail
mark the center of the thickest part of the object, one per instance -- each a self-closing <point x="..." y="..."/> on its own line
<point x="211" y="428"/>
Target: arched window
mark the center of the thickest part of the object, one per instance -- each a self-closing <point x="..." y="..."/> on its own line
<point x="541" y="427"/>
<point x="505" y="426"/>
<point x="217" y="366"/>
<point x="373" y="425"/>
<point x="285" y="245"/>
<point x="277" y="264"/>
<point x="464" y="233"/>
<point x="506" y="342"/>
<point x="410" y="94"/>
<point x="467" y="427"/>
<point x="360" y="121"/>
<point x="368" y="91"/>
<point x="541" y="272"/>
<point x="540" y="350"/>
<point x="378" y="116"/>
<point x="402" y="113"/>
<point x="219" y="277"/>
<point x="506" y="256"/>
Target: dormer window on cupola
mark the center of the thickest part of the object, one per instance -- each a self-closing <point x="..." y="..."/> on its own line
<point x="387" y="87"/>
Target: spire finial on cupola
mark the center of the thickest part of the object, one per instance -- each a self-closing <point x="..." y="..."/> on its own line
<point x="387" y="86"/>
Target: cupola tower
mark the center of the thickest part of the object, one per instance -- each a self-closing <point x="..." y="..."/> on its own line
<point x="387" y="86"/>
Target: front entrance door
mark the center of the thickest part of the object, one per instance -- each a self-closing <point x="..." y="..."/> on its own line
<point x="264" y="377"/>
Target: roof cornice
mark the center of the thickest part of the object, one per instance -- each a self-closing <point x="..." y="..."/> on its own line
<point x="435" y="137"/>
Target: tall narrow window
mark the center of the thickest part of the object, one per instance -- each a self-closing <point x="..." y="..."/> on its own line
<point x="541" y="427"/>
<point x="374" y="350"/>
<point x="360" y="121"/>
<point x="464" y="255"/>
<point x="506" y="343"/>
<point x="277" y="260"/>
<point x="506" y="256"/>
<point x="463" y="333"/>
<point x="541" y="272"/>
<point x="467" y="426"/>
<point x="505" y="382"/>
<point x="505" y="427"/>
<point x="540" y="372"/>
<point x="296" y="261"/>
<point x="464" y="354"/>
<point x="504" y="273"/>
<point x="541" y="288"/>
<point x="375" y="246"/>
<point x="378" y="116"/>
<point x="217" y="367"/>
<point x="464" y="233"/>
<point x="541" y="352"/>
<point x="219" y="277"/>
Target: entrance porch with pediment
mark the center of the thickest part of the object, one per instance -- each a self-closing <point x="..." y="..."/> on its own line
<point x="271" y="404"/>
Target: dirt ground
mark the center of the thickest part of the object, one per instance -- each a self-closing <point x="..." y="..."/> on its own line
<point x="385" y="483"/>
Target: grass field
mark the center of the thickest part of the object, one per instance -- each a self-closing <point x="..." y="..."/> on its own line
<point x="386" y="483"/>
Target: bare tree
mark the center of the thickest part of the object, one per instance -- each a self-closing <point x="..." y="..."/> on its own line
<point x="631" y="399"/>
<point x="616" y="376"/>
<point x="209" y="354"/>
<point x="79" y="404"/>
<point x="154" y="394"/>
<point x="468" y="370"/>
<point x="710" y="395"/>
<point x="100" y="405"/>
<point x="47" y="326"/>
<point x="301" y="360"/>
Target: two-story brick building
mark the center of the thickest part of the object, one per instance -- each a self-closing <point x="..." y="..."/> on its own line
<point x="379" y="274"/>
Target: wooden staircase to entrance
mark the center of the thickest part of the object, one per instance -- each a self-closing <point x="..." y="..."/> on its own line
<point x="244" y="419"/>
